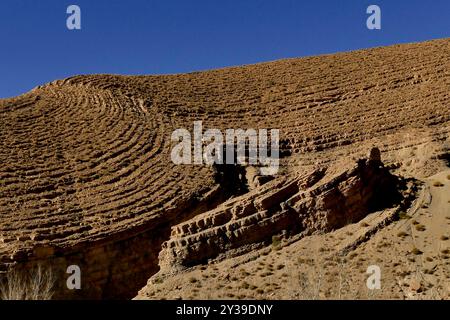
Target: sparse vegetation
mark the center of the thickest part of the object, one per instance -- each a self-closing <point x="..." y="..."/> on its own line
<point x="245" y="273"/>
<point x="219" y="286"/>
<point x="438" y="184"/>
<point x="36" y="283"/>
<point x="364" y="224"/>
<point x="266" y="274"/>
<point x="352" y="255"/>
<point x="158" y="280"/>
<point x="245" y="285"/>
<point x="402" y="215"/>
<point x="428" y="271"/>
<point x="420" y="227"/>
<point x="193" y="280"/>
<point x="276" y="242"/>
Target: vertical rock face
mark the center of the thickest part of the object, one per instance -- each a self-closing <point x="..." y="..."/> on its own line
<point x="113" y="270"/>
<point x="307" y="204"/>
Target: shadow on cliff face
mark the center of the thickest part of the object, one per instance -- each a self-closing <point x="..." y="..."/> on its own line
<point x="367" y="188"/>
<point x="231" y="178"/>
<point x="446" y="157"/>
<point x="384" y="186"/>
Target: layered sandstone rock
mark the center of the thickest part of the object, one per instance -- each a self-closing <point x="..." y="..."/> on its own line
<point x="306" y="204"/>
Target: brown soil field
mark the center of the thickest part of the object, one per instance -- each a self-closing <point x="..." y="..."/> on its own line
<point x="86" y="179"/>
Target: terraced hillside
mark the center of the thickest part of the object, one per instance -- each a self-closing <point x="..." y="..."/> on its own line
<point x="86" y="176"/>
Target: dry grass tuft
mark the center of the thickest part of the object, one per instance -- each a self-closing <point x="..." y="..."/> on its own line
<point x="420" y="227"/>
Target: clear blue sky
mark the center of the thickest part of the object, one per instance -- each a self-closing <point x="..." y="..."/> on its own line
<point x="174" y="36"/>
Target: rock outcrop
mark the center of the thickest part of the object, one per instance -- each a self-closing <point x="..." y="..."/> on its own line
<point x="306" y="204"/>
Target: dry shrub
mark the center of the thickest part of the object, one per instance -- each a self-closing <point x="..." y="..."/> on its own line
<point x="35" y="284"/>
<point x="438" y="184"/>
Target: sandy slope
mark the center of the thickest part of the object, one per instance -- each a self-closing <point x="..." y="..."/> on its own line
<point x="334" y="265"/>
